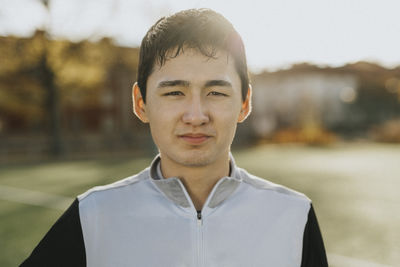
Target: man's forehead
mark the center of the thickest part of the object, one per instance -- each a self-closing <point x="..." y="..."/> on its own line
<point x="192" y="72"/>
<point x="183" y="83"/>
<point x="193" y="66"/>
<point x="208" y="53"/>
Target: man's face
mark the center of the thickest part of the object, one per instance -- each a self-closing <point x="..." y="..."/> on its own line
<point x="193" y="104"/>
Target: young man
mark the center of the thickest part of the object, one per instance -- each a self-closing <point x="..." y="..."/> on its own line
<point x="193" y="206"/>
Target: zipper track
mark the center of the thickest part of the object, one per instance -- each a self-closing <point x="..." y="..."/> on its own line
<point x="199" y="239"/>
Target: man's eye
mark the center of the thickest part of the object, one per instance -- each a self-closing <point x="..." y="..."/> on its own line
<point x="174" y="93"/>
<point x="214" y="93"/>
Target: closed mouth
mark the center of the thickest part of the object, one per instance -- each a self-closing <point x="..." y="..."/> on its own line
<point x="195" y="138"/>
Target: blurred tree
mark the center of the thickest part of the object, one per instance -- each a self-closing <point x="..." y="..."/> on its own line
<point x="49" y="85"/>
<point x="21" y="92"/>
<point x="66" y="90"/>
<point x="52" y="102"/>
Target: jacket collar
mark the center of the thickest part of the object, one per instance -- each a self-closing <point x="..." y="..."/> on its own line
<point x="175" y="191"/>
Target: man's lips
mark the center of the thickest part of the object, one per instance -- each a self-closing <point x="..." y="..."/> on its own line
<point x="194" y="138"/>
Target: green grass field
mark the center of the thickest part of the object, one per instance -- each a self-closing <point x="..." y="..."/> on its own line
<point x="354" y="188"/>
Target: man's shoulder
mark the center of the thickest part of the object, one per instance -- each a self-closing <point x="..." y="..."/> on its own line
<point x="259" y="183"/>
<point x="116" y="186"/>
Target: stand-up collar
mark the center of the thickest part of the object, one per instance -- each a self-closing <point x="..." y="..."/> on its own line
<point x="175" y="191"/>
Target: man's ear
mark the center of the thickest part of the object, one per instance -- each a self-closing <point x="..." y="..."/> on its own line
<point x="246" y="106"/>
<point x="139" y="107"/>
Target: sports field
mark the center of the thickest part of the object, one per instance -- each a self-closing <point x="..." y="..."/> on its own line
<point x="354" y="187"/>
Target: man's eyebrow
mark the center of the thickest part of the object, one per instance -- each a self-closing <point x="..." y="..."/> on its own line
<point x="218" y="83"/>
<point x="173" y="83"/>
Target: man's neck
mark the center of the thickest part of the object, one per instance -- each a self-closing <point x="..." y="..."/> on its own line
<point x="199" y="180"/>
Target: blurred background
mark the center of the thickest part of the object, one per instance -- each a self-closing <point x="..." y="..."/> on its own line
<point x="325" y="119"/>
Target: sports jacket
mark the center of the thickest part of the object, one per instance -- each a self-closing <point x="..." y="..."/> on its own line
<point x="146" y="220"/>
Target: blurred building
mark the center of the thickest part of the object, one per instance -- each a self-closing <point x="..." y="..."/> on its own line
<point x="301" y="96"/>
<point x="357" y="100"/>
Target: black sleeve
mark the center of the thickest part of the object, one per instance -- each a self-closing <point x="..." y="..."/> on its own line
<point x="63" y="245"/>
<point x="314" y="254"/>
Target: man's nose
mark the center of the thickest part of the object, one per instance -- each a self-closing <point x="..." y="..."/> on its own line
<point x="196" y="112"/>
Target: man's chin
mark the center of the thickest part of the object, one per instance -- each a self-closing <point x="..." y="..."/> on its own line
<point x="195" y="159"/>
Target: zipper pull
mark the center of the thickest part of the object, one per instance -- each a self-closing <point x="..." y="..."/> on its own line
<point x="199" y="219"/>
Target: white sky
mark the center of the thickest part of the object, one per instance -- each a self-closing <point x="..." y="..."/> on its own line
<point x="276" y="33"/>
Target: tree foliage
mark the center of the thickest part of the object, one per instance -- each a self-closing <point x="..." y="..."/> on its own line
<point x="81" y="72"/>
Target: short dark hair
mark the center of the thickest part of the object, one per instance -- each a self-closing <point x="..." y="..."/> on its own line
<point x="202" y="29"/>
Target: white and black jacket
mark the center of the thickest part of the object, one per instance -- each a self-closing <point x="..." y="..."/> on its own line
<point x="146" y="220"/>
